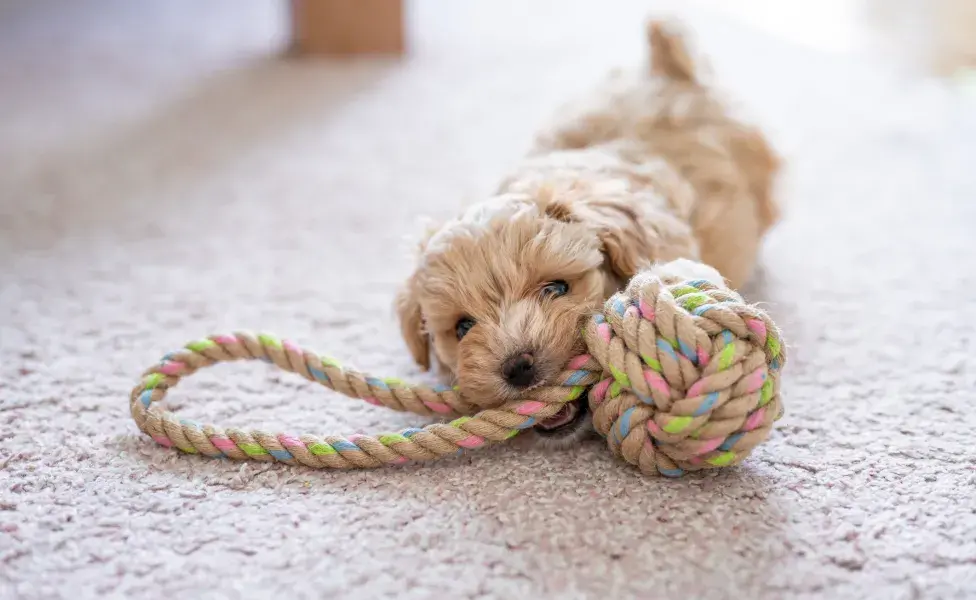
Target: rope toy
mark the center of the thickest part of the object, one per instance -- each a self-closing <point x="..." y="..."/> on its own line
<point x="680" y="376"/>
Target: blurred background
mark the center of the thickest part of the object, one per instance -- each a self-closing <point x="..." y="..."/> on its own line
<point x="126" y="101"/>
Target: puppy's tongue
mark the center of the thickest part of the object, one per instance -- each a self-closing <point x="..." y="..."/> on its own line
<point x="565" y="415"/>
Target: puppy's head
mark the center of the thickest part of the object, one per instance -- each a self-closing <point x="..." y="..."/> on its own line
<point x="500" y="294"/>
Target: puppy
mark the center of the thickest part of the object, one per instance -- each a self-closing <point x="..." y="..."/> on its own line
<point x="651" y="172"/>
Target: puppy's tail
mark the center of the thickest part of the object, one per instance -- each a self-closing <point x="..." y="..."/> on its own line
<point x="669" y="55"/>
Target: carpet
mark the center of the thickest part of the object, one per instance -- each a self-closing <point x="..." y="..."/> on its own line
<point x="165" y="175"/>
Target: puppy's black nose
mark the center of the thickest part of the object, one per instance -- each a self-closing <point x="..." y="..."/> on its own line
<point x="519" y="370"/>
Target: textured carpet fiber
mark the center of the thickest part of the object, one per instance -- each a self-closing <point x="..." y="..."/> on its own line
<point x="163" y="176"/>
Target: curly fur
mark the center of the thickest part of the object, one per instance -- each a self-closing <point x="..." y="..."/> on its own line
<point x="649" y="169"/>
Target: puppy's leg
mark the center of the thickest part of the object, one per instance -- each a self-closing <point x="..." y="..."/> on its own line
<point x="728" y="235"/>
<point x="684" y="268"/>
<point x="730" y="226"/>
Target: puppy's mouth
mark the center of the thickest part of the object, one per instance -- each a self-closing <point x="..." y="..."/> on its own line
<point x="565" y="421"/>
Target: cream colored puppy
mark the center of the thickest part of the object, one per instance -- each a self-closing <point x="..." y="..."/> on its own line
<point x="649" y="170"/>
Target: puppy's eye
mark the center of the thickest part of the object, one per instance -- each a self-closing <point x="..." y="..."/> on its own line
<point x="555" y="289"/>
<point x="463" y="327"/>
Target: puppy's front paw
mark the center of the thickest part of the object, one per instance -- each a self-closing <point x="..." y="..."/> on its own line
<point x="684" y="268"/>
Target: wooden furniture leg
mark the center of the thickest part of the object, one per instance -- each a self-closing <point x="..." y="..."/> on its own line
<point x="344" y="27"/>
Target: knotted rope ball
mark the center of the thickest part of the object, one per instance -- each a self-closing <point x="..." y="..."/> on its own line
<point x="680" y="376"/>
<point x="693" y="375"/>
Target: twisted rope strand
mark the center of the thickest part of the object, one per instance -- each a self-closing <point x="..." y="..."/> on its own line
<point x="355" y="451"/>
<point x="681" y="376"/>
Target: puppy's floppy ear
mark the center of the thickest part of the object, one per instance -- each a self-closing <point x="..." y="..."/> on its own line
<point x="412" y="322"/>
<point x="633" y="236"/>
<point x="409" y="313"/>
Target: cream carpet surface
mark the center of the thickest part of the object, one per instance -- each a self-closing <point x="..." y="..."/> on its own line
<point x="165" y="175"/>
